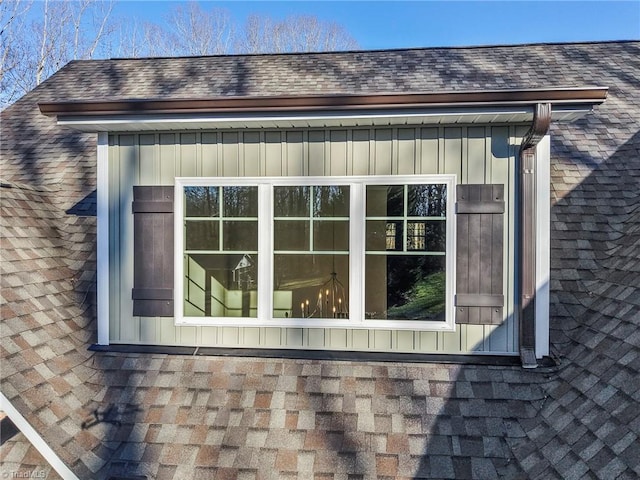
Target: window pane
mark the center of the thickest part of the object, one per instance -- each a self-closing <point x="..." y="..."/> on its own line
<point x="221" y="285"/>
<point x="240" y="201"/>
<point x="331" y="201"/>
<point x="240" y="236"/>
<point x="201" y="201"/>
<point x="291" y="201"/>
<point x="330" y="235"/>
<point x="405" y="287"/>
<point x="311" y="286"/>
<point x="201" y="235"/>
<point x="385" y="200"/>
<point x="384" y="235"/>
<point x="291" y="235"/>
<point x="436" y="236"/>
<point x="427" y="200"/>
<point x="416" y="236"/>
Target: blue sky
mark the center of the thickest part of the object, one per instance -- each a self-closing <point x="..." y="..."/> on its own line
<point x="385" y="24"/>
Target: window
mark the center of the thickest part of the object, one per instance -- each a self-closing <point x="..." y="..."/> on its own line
<point x="405" y="261"/>
<point x="359" y="252"/>
<point x="220" y="251"/>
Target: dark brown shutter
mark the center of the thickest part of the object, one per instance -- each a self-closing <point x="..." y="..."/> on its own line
<point x="479" y="262"/>
<point x="153" y="251"/>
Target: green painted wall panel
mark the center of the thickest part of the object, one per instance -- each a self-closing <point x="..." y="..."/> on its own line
<point x="316" y="153"/>
<point x="382" y="152"/>
<point x="188" y="335"/>
<point x="295" y="159"/>
<point x="114" y="240"/>
<point x="167" y="165"/>
<point x="274" y="161"/>
<point x="128" y="176"/>
<point x="338" y="153"/>
<point x="428" y="143"/>
<point x="230" y="336"/>
<point x="294" y="337"/>
<point x="405" y="340"/>
<point x="209" y="156"/>
<point x="360" y="152"/>
<point x="251" y="336"/>
<point x="316" y="338"/>
<point x="360" y="339"/>
<point x="382" y="340"/>
<point x="251" y="154"/>
<point x="407" y="157"/>
<point x="476" y="154"/>
<point x="427" y="341"/>
<point x="149" y="330"/>
<point x="147" y="164"/>
<point x="209" y="336"/>
<point x="168" y="331"/>
<point x="473" y="337"/>
<point x="452" y="151"/>
<point x="272" y="337"/>
<point x="230" y="154"/>
<point x="188" y="155"/>
<point x="338" y="338"/>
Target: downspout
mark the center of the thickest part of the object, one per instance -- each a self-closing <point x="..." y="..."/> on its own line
<point x="527" y="232"/>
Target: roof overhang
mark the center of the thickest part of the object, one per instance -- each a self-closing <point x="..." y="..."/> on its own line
<point x="474" y="107"/>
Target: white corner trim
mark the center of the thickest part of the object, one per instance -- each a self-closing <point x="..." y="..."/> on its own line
<point x="102" y="235"/>
<point x="36" y="440"/>
<point x="543" y="242"/>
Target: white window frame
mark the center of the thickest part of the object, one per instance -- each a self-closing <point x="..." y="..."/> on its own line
<point x="356" y="295"/>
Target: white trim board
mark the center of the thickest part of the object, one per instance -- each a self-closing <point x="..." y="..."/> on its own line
<point x="102" y="234"/>
<point x="36" y="440"/>
<point x="543" y="245"/>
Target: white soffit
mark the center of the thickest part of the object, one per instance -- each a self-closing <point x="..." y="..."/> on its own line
<point x="428" y="117"/>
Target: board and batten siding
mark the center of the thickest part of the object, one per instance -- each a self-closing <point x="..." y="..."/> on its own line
<point x="476" y="154"/>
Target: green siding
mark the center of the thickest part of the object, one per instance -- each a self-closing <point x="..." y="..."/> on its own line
<point x="477" y="154"/>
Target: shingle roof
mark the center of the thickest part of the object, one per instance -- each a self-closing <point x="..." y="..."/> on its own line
<point x="179" y="417"/>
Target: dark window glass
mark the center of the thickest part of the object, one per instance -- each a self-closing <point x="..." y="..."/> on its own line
<point x="201" y="201"/>
<point x="385" y="200"/>
<point x="426" y="200"/>
<point x="239" y="201"/>
<point x="291" y="201"/>
<point x="330" y="235"/>
<point x="202" y="235"/>
<point x="291" y="235"/>
<point x="384" y="235"/>
<point x="405" y="287"/>
<point x="331" y="201"/>
<point x="436" y="236"/>
<point x="241" y="236"/>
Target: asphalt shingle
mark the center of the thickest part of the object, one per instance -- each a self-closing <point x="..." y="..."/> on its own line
<point x="167" y="416"/>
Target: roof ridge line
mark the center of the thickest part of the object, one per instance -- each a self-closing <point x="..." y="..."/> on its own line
<point x="374" y="50"/>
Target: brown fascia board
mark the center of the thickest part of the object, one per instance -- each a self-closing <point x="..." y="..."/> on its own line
<point x="587" y="95"/>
